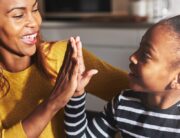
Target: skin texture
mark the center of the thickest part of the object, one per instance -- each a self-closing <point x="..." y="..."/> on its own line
<point x="19" y="25"/>
<point x="151" y="68"/>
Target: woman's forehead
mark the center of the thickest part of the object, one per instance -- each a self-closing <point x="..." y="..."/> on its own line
<point x="10" y="3"/>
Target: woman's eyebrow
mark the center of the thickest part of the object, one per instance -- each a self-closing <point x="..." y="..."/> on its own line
<point x="16" y="8"/>
<point x="20" y="7"/>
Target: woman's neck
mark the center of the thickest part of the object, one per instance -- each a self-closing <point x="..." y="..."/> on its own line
<point x="14" y="63"/>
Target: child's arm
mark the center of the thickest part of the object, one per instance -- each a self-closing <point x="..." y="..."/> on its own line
<point x="78" y="125"/>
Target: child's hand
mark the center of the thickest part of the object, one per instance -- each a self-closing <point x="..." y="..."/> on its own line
<point x="83" y="75"/>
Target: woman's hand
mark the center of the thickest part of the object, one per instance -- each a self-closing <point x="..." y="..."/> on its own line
<point x="64" y="89"/>
<point x="67" y="80"/>
<point x="83" y="76"/>
<point x="71" y="81"/>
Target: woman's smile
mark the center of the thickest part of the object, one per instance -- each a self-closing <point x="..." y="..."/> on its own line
<point x="30" y="39"/>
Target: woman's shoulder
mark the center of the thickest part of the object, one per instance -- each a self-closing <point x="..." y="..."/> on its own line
<point x="54" y="53"/>
<point x="55" y="47"/>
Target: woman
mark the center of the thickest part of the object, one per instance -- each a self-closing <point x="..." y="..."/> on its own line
<point x="30" y="100"/>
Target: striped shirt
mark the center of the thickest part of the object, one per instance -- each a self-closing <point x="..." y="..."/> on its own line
<point x="126" y="114"/>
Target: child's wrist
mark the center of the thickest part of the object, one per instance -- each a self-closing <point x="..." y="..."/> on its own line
<point x="79" y="93"/>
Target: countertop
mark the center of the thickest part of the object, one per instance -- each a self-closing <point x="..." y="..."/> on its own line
<point x="99" y="21"/>
<point x="79" y="24"/>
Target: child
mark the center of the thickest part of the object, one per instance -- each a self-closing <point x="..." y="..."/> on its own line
<point x="152" y="107"/>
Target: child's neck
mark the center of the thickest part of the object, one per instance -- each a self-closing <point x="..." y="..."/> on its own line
<point x="161" y="101"/>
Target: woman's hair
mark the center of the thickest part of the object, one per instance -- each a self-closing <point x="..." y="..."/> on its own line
<point x="41" y="58"/>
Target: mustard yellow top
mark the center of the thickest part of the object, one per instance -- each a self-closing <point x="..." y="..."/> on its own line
<point x="30" y="87"/>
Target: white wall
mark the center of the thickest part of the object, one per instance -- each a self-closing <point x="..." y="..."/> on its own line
<point x="122" y="6"/>
<point x="175" y="7"/>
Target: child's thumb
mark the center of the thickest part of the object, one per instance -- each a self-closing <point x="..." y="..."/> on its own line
<point x="88" y="75"/>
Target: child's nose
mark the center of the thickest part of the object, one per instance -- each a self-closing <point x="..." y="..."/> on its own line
<point x="133" y="58"/>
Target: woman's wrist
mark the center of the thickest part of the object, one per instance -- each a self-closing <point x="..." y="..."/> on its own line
<point x="35" y="123"/>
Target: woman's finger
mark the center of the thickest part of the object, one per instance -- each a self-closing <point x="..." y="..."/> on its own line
<point x="73" y="44"/>
<point x="73" y="72"/>
<point x="66" y="65"/>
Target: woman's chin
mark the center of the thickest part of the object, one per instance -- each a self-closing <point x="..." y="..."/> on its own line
<point x="30" y="51"/>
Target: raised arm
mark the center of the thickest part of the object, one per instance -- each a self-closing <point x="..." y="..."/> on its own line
<point x="65" y="87"/>
<point x="71" y="81"/>
<point x="77" y="124"/>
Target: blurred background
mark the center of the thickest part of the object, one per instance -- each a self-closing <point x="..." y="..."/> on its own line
<point x="111" y="29"/>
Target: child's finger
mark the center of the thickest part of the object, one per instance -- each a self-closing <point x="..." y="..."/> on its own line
<point x="80" y="55"/>
<point x="87" y="76"/>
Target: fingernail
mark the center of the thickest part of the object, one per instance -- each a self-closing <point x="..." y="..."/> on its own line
<point x="78" y="38"/>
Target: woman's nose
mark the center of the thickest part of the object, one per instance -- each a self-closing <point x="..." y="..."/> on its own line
<point x="32" y="21"/>
<point x="133" y="58"/>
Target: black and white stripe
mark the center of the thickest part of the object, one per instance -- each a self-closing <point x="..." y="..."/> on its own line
<point x="125" y="113"/>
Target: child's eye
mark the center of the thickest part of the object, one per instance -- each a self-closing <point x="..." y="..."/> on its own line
<point x="145" y="56"/>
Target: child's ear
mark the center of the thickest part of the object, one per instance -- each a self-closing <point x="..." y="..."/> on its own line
<point x="175" y="84"/>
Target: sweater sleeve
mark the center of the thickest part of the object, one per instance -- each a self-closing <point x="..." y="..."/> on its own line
<point x="15" y="131"/>
<point x="109" y="80"/>
<point x="78" y="125"/>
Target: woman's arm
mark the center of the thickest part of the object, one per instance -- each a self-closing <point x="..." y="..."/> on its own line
<point x="63" y="90"/>
<point x="71" y="81"/>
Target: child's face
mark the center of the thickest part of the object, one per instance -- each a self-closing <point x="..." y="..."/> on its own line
<point x="150" y="64"/>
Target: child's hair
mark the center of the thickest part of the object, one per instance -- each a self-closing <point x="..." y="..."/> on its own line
<point x="173" y="24"/>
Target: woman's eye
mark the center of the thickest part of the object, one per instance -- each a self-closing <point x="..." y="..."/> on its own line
<point x="18" y="16"/>
<point x="35" y="10"/>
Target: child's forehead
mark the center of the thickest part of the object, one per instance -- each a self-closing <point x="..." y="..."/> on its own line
<point x="161" y="34"/>
<point x="160" y="38"/>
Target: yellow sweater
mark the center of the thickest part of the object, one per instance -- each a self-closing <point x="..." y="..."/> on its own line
<point x="30" y="87"/>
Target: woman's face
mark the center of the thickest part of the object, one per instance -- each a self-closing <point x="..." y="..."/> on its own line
<point x="20" y="22"/>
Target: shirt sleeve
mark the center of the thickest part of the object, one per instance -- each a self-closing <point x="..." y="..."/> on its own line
<point x="78" y="125"/>
<point x="15" y="131"/>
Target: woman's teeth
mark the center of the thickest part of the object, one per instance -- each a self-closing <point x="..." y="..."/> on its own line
<point x="33" y="36"/>
<point x="30" y="39"/>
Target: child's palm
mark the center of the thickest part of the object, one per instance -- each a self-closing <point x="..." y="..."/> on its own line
<point x="83" y="75"/>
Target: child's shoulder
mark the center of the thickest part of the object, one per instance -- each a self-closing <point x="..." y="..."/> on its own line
<point x="128" y="95"/>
